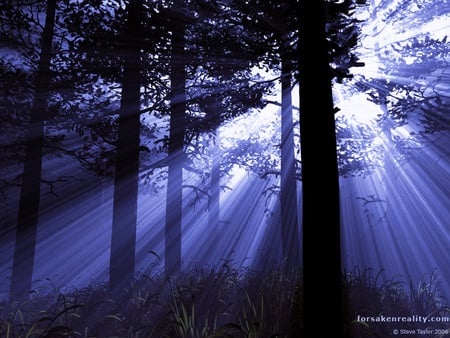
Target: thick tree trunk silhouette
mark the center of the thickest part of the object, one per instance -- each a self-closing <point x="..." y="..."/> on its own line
<point x="122" y="260"/>
<point x="323" y="311"/>
<point x="28" y="214"/>
<point x="289" y="207"/>
<point x="174" y="197"/>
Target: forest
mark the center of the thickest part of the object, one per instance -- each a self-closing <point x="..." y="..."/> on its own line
<point x="230" y="168"/>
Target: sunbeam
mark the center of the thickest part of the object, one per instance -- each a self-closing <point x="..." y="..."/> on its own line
<point x="213" y="188"/>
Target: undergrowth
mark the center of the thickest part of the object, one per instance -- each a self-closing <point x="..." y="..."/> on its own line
<point x="388" y="308"/>
<point x="223" y="301"/>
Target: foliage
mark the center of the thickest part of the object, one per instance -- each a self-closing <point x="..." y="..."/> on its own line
<point x="223" y="301"/>
<point x="367" y="294"/>
<point x="205" y="302"/>
<point x="343" y="35"/>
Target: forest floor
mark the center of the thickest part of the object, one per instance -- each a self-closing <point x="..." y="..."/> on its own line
<point x="225" y="301"/>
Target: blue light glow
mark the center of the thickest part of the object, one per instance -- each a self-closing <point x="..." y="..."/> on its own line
<point x="394" y="208"/>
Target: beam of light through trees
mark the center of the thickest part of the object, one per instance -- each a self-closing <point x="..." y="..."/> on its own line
<point x="395" y="176"/>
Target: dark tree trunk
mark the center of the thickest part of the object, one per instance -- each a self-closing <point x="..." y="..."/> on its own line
<point x="123" y="240"/>
<point x="214" y="189"/>
<point x="28" y="215"/>
<point x="323" y="312"/>
<point x="289" y="207"/>
<point x="176" y="142"/>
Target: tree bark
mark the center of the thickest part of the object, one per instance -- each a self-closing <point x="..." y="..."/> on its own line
<point x="323" y="313"/>
<point x="214" y="189"/>
<point x="123" y="239"/>
<point x="28" y="214"/>
<point x="176" y="155"/>
<point x="288" y="184"/>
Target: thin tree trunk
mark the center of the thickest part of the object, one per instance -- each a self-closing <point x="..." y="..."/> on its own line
<point x="123" y="240"/>
<point x="323" y="313"/>
<point x="28" y="215"/>
<point x="289" y="207"/>
<point x="174" y="197"/>
<point x="214" y="189"/>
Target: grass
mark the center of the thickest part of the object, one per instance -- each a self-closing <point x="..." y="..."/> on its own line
<point x="223" y="301"/>
<point x="367" y="296"/>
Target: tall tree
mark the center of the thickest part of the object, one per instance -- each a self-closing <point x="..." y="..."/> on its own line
<point x="214" y="187"/>
<point x="271" y="34"/>
<point x="288" y="180"/>
<point x="320" y="180"/>
<point x="123" y="240"/>
<point x="174" y="197"/>
<point x="28" y="215"/>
